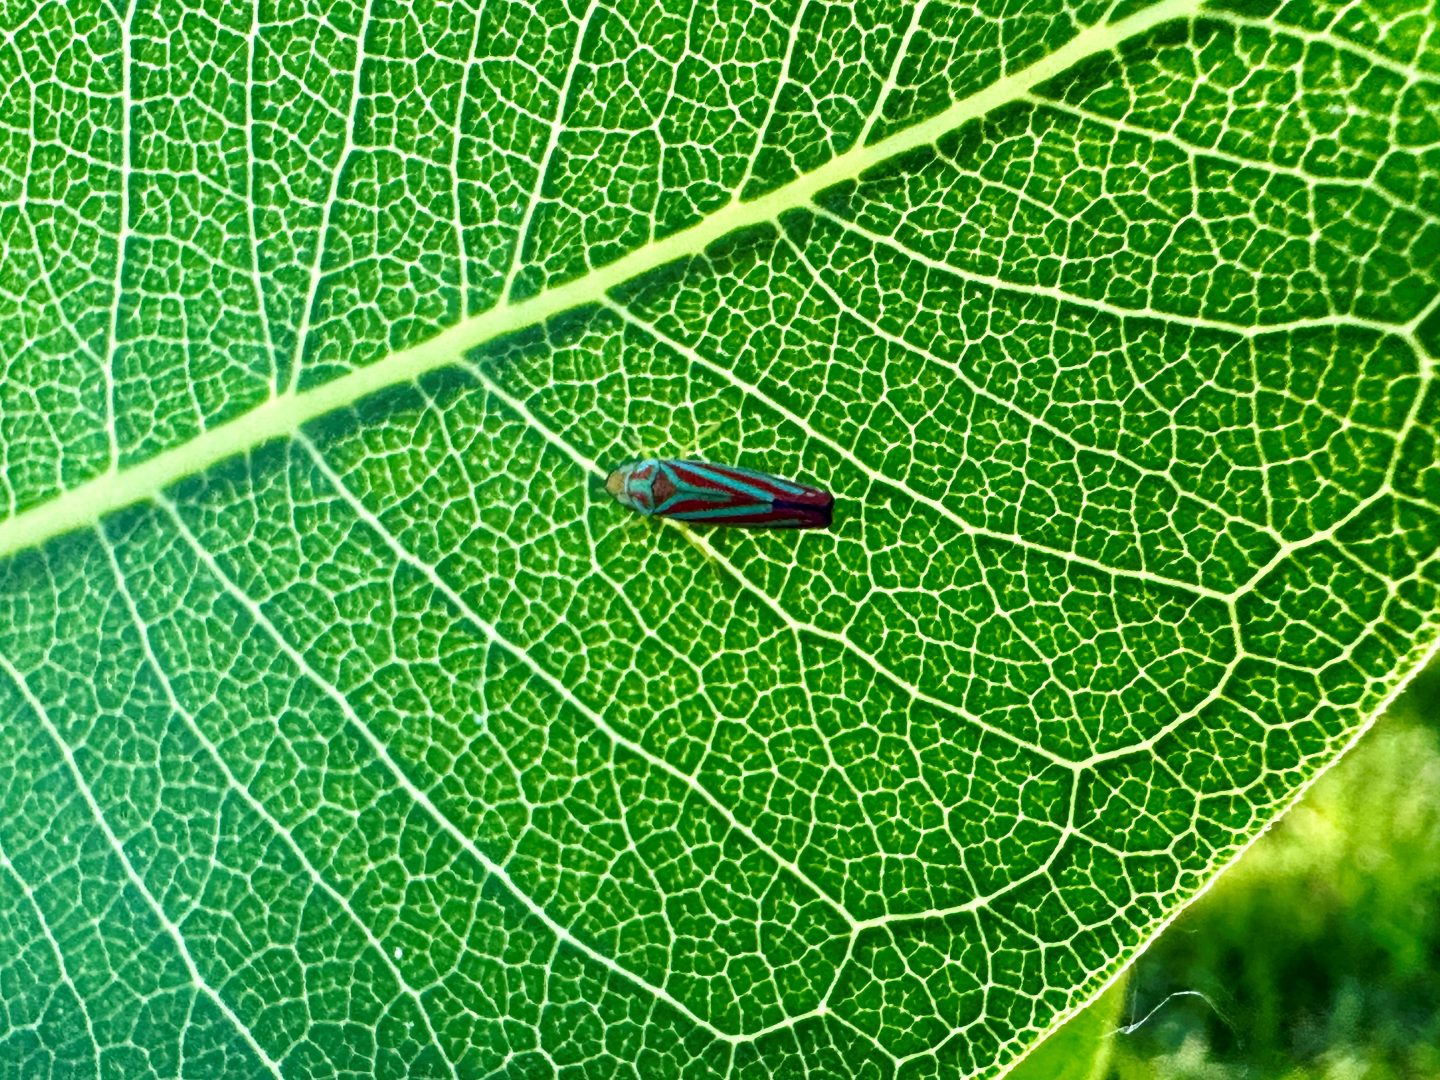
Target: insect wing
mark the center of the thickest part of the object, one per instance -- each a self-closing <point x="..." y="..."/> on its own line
<point x="709" y="494"/>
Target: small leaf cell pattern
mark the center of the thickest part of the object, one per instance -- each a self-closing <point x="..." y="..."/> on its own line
<point x="349" y="728"/>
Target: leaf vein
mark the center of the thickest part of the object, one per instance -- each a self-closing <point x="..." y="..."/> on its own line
<point x="711" y="552"/>
<point x="492" y="634"/>
<point x="171" y="929"/>
<point x="419" y="797"/>
<point x="256" y="806"/>
<point x="28" y="891"/>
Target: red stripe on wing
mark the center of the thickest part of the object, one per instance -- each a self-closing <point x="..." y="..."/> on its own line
<point x="744" y="483"/>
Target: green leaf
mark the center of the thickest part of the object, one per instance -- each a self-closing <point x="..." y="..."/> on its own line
<point x="1082" y="1047"/>
<point x="346" y="727"/>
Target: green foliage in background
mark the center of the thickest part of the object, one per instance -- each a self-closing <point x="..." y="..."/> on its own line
<point x="347" y="729"/>
<point x="1320" y="949"/>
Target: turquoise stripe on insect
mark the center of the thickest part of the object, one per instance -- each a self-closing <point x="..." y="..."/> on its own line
<point x="730" y="482"/>
<point x="722" y="512"/>
<point x="784" y="485"/>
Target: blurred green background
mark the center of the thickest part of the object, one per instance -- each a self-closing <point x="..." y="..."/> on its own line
<point x="1318" y="953"/>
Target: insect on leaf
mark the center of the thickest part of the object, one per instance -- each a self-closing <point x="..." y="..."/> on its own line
<point x="704" y="493"/>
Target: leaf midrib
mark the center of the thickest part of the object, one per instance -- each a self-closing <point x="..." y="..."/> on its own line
<point x="286" y="413"/>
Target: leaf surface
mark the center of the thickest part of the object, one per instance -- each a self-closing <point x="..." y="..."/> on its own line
<point x="349" y="729"/>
